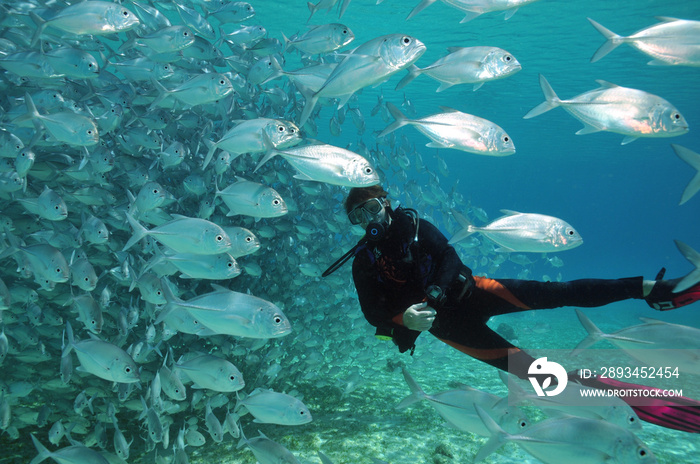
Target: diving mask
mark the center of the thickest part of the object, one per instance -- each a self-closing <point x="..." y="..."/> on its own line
<point x="366" y="212"/>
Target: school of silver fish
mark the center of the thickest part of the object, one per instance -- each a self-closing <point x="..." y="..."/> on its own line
<point x="164" y="201"/>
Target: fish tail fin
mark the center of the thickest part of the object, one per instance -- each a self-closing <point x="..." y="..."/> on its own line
<point x="40" y="25"/>
<point x="163" y="93"/>
<point x="693" y="159"/>
<point x="270" y="151"/>
<point x="400" y="120"/>
<point x="71" y="340"/>
<point x="139" y="232"/>
<point x="551" y="100"/>
<point x="694" y="276"/>
<point x="170" y="297"/>
<point x="515" y="393"/>
<point x="312" y="10"/>
<point x="466" y="228"/>
<point x="612" y="41"/>
<point x="498" y="435"/>
<point x="44" y="453"/>
<point x="413" y="72"/>
<point x="287" y="43"/>
<point x="32" y="113"/>
<point x="311" y="99"/>
<point x="210" y="152"/>
<point x="594" y="333"/>
<point x="417" y="393"/>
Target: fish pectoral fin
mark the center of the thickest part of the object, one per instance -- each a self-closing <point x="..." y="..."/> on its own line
<point x="628" y="139"/>
<point x="503" y="249"/>
<point x="302" y="176"/>
<point x="439" y="145"/>
<point x="588" y="129"/>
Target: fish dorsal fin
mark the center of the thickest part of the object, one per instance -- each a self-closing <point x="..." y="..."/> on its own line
<point x="666" y="19"/>
<point x="510" y="212"/>
<point x="447" y="109"/>
<point x="605" y="84"/>
<point x="649" y="320"/>
<point x="219" y="288"/>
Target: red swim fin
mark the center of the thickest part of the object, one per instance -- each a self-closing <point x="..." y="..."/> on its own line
<point x="677" y="412"/>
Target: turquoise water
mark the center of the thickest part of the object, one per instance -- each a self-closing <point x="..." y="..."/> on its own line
<point x="622" y="199"/>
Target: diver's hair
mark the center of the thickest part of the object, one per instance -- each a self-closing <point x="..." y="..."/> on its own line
<point x="359" y="195"/>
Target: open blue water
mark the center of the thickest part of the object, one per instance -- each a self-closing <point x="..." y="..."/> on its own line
<point x="622" y="199"/>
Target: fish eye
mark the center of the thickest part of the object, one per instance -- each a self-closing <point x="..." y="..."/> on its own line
<point x="676" y="116"/>
<point x="127" y="369"/>
<point x="280" y="128"/>
<point x="507" y="58"/>
<point x="368" y="170"/>
<point x="642" y="452"/>
<point x="406" y="40"/>
<point x="249" y="239"/>
<point x="345" y="31"/>
<point x="275" y="202"/>
<point x="232" y="377"/>
<point x="58" y="269"/>
<point x="125" y="13"/>
<point x="229" y="264"/>
<point x="221" y="82"/>
<point x="523" y="424"/>
<point x="86" y="279"/>
<point x="570" y="231"/>
<point x="219" y="238"/>
<point x="506" y="139"/>
<point x="155" y="191"/>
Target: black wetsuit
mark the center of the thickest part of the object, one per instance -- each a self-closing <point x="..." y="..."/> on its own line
<point x="394" y="273"/>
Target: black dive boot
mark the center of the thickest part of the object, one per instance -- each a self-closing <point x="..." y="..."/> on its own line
<point x="663" y="298"/>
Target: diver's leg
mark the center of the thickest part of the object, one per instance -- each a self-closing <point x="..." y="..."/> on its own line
<point x="530" y="294"/>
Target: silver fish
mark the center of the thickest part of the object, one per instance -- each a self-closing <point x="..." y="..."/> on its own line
<point x="252" y="199"/>
<point x="633" y="113"/>
<point x="574" y="440"/>
<point x="267" y="451"/>
<point x="88" y="17"/>
<point x="652" y="343"/>
<point x="232" y="313"/>
<point x="184" y="235"/>
<point x="457" y="130"/>
<point x="271" y="407"/>
<point x="475" y="8"/>
<point x="523" y="232"/>
<point x="324" y="38"/>
<point x="74" y="454"/>
<point x="369" y="64"/>
<point x="247" y="137"/>
<point x="326" y="163"/>
<point x="456" y="407"/>
<point x="66" y="126"/>
<point x="674" y="42"/>
<point x="211" y="372"/>
<point x="102" y="359"/>
<point x="466" y="65"/>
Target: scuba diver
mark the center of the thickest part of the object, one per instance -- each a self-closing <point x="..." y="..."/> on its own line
<point x="409" y="279"/>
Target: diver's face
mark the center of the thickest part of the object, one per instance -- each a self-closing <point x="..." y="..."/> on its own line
<point x="372" y="210"/>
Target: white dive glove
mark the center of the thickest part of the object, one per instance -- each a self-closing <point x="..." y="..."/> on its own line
<point x="419" y="317"/>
